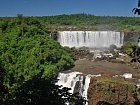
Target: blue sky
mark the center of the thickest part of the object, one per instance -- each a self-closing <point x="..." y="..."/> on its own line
<point x="57" y="7"/>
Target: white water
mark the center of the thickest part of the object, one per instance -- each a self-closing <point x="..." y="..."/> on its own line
<point x="86" y="86"/>
<point x="91" y="39"/>
<point x="70" y="79"/>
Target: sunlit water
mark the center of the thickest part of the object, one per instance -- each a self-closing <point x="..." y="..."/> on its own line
<point x="90" y="39"/>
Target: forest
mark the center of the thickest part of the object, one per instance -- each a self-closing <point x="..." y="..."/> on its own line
<point x="29" y="64"/>
<point x="92" y="22"/>
<point x="87" y="22"/>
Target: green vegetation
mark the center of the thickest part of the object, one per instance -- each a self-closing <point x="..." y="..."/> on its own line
<point x="26" y="50"/>
<point x="107" y="90"/>
<point x="138" y="96"/>
<point x="109" y="80"/>
<point x="88" y="22"/>
<point x="29" y="63"/>
<point x="132" y="50"/>
<point x="91" y="22"/>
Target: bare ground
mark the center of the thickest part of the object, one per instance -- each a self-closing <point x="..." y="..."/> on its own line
<point x="104" y="68"/>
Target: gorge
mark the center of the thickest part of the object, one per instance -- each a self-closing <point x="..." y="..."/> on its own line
<point x="84" y="81"/>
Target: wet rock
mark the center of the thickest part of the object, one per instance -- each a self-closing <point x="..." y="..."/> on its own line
<point x="117" y="60"/>
<point x="82" y="53"/>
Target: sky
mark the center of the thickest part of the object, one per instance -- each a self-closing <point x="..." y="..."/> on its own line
<point x="58" y="7"/>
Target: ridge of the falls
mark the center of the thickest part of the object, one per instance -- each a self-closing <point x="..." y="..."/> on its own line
<point x="91" y="39"/>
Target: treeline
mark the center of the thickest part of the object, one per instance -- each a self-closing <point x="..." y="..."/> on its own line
<point x="29" y="63"/>
<point x="88" y="22"/>
<point x="92" y="22"/>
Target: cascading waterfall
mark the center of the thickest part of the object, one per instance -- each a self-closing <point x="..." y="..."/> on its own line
<point x="91" y="39"/>
<point x="86" y="86"/>
<point x="139" y="41"/>
<point x="71" y="80"/>
<point x="68" y="80"/>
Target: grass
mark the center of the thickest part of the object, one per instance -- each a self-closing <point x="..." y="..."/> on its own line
<point x="109" y="80"/>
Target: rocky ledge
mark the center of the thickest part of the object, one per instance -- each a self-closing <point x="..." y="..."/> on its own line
<point x="112" y="91"/>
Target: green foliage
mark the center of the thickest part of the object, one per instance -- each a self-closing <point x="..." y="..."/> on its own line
<point x="39" y="91"/>
<point x="26" y="49"/>
<point x="127" y="47"/>
<point x="138" y="96"/>
<point x="84" y="22"/>
<point x="132" y="50"/>
<point x="29" y="62"/>
<point x="3" y="26"/>
<point x="91" y="22"/>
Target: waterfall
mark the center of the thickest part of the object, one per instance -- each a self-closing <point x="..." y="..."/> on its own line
<point x="68" y="80"/>
<point x="91" y="39"/>
<point x="139" y="41"/>
<point x="76" y="81"/>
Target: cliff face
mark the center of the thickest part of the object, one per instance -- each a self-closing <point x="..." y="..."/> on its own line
<point x="111" y="91"/>
<point x="131" y="36"/>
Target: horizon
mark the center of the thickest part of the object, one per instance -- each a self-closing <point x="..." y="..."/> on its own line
<point x="54" y="8"/>
<point x="67" y="14"/>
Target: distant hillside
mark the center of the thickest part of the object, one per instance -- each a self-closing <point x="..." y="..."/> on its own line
<point x="90" y="22"/>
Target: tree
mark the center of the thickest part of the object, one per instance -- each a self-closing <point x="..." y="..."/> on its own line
<point x="136" y="10"/>
<point x="139" y="3"/>
<point x="28" y="62"/>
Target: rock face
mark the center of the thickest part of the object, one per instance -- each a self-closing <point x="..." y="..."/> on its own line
<point x="131" y="36"/>
<point x="111" y="91"/>
<point x="82" y="53"/>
